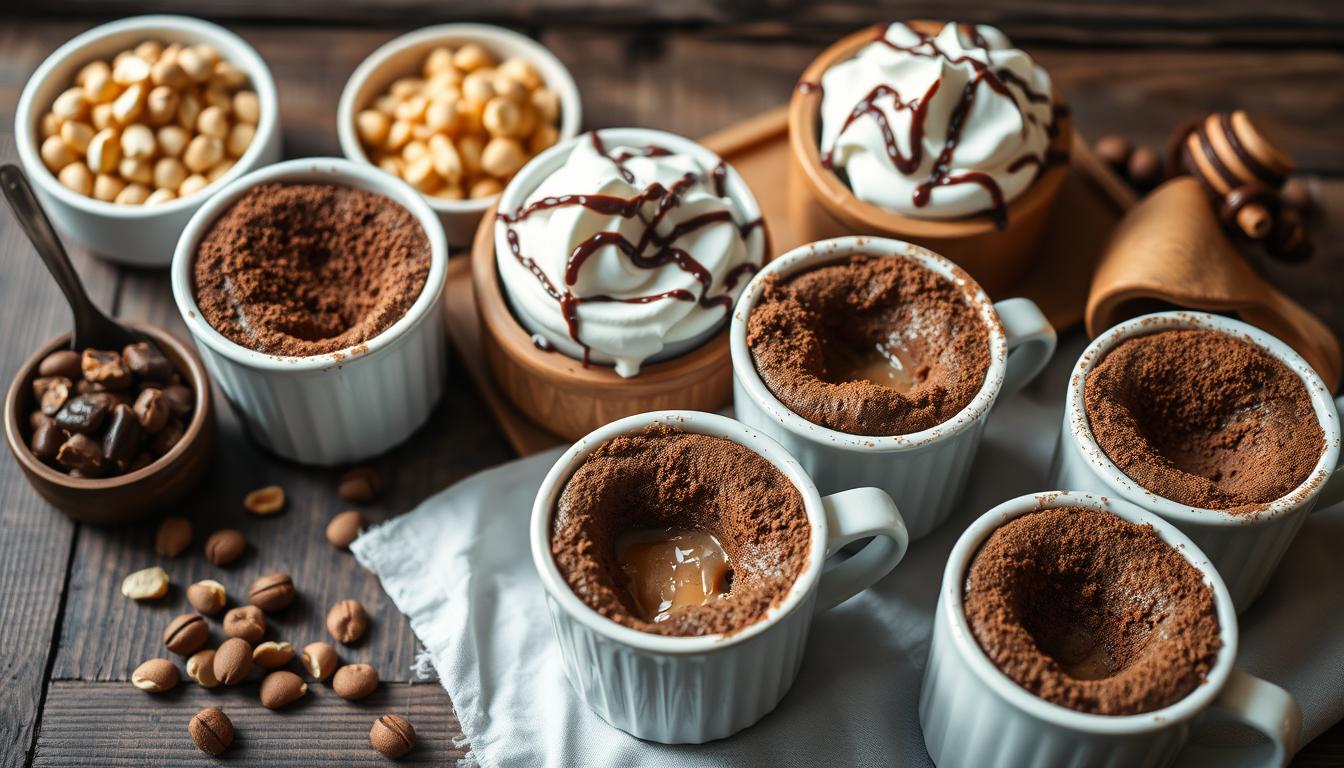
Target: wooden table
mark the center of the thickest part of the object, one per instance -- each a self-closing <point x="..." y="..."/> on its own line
<point x="69" y="641"/>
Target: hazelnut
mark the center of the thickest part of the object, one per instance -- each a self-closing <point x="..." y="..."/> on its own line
<point x="192" y="184"/>
<point x="172" y="140"/>
<point x="347" y="621"/>
<point x="521" y="71"/>
<point x="106" y="187"/>
<point x="148" y="584"/>
<point x="372" y="126"/>
<point x="76" y="177"/>
<point x="233" y="660"/>
<point x="345" y="528"/>
<point x="320" y="660"/>
<point x="271" y="593"/>
<point x="211" y="730"/>
<point x="355" y="681"/>
<point x="155" y="676"/>
<point x="203" y="152"/>
<point x="485" y="188"/>
<point x="472" y="57"/>
<point x="56" y="153"/>
<point x="224" y="546"/>
<point x="201" y="668"/>
<point x="138" y="143"/>
<point x="247" y="107"/>
<point x="272" y="654"/>
<point x="186" y="634"/>
<point x="160" y="196"/>
<point x="246" y="622"/>
<point x="502" y="157"/>
<point x="174" y="534"/>
<point x="265" y="501"/>
<point x="280" y="688"/>
<point x="392" y="735"/>
<point x="207" y="596"/>
<point x="133" y="194"/>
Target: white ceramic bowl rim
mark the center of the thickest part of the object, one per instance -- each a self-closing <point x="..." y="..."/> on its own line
<point x="1075" y="416"/>
<point x="556" y="76"/>
<point x="231" y="47"/>
<point x="331" y="170"/>
<point x="539" y="168"/>
<point x="701" y="423"/>
<point x="969" y="649"/>
<point x="828" y="251"/>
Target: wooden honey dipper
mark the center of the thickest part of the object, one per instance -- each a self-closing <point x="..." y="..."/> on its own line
<point x="1243" y="172"/>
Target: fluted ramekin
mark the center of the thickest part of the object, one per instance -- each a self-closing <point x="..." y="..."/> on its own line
<point x="341" y="406"/>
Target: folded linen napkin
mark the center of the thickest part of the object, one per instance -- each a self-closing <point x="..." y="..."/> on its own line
<point x="459" y="566"/>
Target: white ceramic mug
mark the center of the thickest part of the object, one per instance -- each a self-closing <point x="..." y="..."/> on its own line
<point x="343" y="406"/>
<point x="925" y="472"/>
<point x="1245" y="548"/>
<point x="974" y="715"/>
<point x="678" y="690"/>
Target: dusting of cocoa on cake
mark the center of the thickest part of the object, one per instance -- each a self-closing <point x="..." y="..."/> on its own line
<point x="1092" y="612"/>
<point x="1204" y="419"/>
<point x="664" y="477"/>
<point x="307" y="269"/>
<point x="806" y="329"/>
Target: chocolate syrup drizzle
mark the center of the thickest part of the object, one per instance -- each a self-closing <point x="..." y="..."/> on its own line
<point x="651" y="251"/>
<point x="941" y="175"/>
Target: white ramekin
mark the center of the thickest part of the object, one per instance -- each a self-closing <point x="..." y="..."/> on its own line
<point x="138" y="235"/>
<point x="343" y="406"/>
<point x="1245" y="548"/>
<point x="975" y="716"/>
<point x="540" y="168"/>
<point x="403" y="56"/>
<point x="689" y="690"/>
<point x="925" y="472"/>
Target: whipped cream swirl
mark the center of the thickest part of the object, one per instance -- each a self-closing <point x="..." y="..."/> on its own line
<point x="623" y="253"/>
<point x="938" y="127"/>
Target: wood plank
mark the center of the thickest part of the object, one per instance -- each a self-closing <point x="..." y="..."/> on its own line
<point x="1197" y="22"/>
<point x="117" y="725"/>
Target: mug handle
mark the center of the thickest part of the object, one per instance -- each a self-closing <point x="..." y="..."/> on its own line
<point x="1333" y="492"/>
<point x="1262" y="705"/>
<point x="860" y="513"/>
<point x="1031" y="342"/>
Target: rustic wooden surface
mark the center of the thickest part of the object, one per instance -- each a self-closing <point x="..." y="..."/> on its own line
<point x="69" y="641"/>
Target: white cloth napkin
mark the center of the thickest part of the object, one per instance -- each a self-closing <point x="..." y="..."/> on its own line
<point x="460" y="568"/>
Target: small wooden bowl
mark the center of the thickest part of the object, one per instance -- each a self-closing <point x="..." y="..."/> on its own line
<point x="558" y="392"/>
<point x="129" y="497"/>
<point x="821" y="206"/>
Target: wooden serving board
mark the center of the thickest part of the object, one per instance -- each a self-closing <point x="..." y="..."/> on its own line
<point x="1088" y="207"/>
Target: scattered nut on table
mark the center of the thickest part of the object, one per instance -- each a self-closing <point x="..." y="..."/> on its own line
<point x="360" y="484"/>
<point x="207" y="596"/>
<point x="211" y="730"/>
<point x="233" y="660"/>
<point x="246" y="622"/>
<point x="201" y="668"/>
<point x="281" y="688"/>
<point x="272" y="654"/>
<point x="155" y="676"/>
<point x="355" y="681"/>
<point x="346" y="621"/>
<point x="345" y="528"/>
<point x="147" y="584"/>
<point x="186" y="634"/>
<point x="174" y="534"/>
<point x="320" y="660"/>
<point x="265" y="501"/>
<point x="392" y="735"/>
<point x="225" y="546"/>
<point x="272" y="592"/>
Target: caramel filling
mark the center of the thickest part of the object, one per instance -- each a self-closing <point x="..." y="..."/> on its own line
<point x="670" y="568"/>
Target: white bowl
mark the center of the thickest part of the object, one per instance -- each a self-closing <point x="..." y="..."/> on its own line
<point x="138" y="235"/>
<point x="343" y="406"/>
<point x="404" y="56"/>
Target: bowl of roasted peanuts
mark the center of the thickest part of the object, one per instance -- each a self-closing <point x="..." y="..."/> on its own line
<point x="125" y="130"/>
<point x="455" y="110"/>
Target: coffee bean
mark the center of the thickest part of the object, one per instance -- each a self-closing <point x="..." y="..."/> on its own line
<point x="51" y="393"/>
<point x="320" y="660"/>
<point x="146" y="361"/>
<point x="47" y="440"/>
<point x="62" y="362"/>
<point x="1113" y="149"/>
<point x="37" y="419"/>
<point x="155" y="676"/>
<point x="280" y="688"/>
<point x="225" y="546"/>
<point x="82" y="454"/>
<point x="355" y="681"/>
<point x="121" y="442"/>
<point x="271" y="593"/>
<point x="246" y="622"/>
<point x="392" y="735"/>
<point x="233" y="660"/>
<point x="201" y="668"/>
<point x="84" y="413"/>
<point x="151" y="408"/>
<point x="167" y="437"/>
<point x="265" y="501"/>
<point x="173" y="538"/>
<point x="147" y="584"/>
<point x="1144" y="168"/>
<point x="360" y="484"/>
<point x="212" y="731"/>
<point x="105" y="368"/>
<point x="272" y="654"/>
<point x="207" y="596"/>
<point x="180" y="399"/>
<point x="186" y="634"/>
<point x="346" y="621"/>
<point x="345" y="528"/>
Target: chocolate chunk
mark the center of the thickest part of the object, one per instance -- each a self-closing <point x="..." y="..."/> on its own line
<point x="47" y="440"/>
<point x="62" y="362"/>
<point x="167" y="437"/>
<point x="151" y="408"/>
<point x="105" y="368"/>
<point x="81" y="454"/>
<point x="146" y="361"/>
<point x="180" y="399"/>
<point x="51" y="393"/>
<point x="85" y="413"/>
<point x="121" y="443"/>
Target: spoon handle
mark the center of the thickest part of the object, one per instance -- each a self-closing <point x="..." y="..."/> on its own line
<point x="38" y="227"/>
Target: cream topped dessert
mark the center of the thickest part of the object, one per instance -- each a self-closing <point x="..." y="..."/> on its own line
<point x="624" y="254"/>
<point x="937" y="127"/>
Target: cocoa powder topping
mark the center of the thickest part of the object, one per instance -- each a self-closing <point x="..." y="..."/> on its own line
<point x="666" y="478"/>
<point x="308" y="269"/>
<point x="1092" y="612"/>
<point x="818" y="338"/>
<point x="1204" y="419"/>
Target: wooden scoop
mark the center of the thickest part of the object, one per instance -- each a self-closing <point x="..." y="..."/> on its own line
<point x="1171" y="251"/>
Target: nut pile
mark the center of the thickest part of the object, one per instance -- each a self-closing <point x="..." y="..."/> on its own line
<point x="156" y="123"/>
<point x="465" y="127"/>
<point x="100" y="413"/>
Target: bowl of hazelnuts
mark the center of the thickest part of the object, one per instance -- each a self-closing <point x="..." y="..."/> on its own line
<point x="128" y="127"/>
<point x="110" y="435"/>
<point x="455" y="110"/>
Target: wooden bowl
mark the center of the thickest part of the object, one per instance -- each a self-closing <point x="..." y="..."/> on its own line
<point x="561" y="395"/>
<point x="129" y="497"/>
<point x="821" y="206"/>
